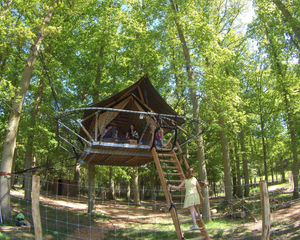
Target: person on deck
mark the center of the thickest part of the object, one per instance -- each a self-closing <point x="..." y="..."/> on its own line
<point x="110" y="132"/>
<point x="192" y="198"/>
<point x="159" y="138"/>
<point x="132" y="133"/>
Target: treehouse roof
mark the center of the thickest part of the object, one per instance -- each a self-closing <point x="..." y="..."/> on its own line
<point x="141" y="96"/>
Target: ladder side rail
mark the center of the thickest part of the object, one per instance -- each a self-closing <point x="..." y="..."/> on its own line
<point x="178" y="165"/>
<point x="199" y="218"/>
<point x="166" y="192"/>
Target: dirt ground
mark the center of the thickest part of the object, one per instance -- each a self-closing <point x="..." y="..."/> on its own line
<point x="122" y="215"/>
<point x="289" y="216"/>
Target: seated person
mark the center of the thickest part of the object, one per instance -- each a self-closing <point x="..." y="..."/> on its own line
<point x="159" y="138"/>
<point x="132" y="133"/>
<point x="110" y="132"/>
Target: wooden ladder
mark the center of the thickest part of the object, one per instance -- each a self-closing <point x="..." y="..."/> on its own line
<point x="170" y="172"/>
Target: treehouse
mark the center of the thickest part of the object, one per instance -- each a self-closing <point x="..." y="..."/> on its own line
<point x="141" y="105"/>
<point x="99" y="135"/>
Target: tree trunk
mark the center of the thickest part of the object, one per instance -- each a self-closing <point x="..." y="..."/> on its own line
<point x="234" y="178"/>
<point x="289" y="111"/>
<point x="77" y="172"/>
<point x="272" y="172"/>
<point x="143" y="193"/>
<point x="76" y="178"/>
<point x="245" y="164"/>
<point x="136" y="188"/>
<point x="226" y="161"/>
<point x="291" y="128"/>
<point x="112" y="183"/>
<point x="195" y="105"/>
<point x="13" y="177"/>
<point x="282" y="174"/>
<point x="203" y="178"/>
<point x="9" y="144"/>
<point x="30" y="140"/>
<point x="91" y="180"/>
<point x="91" y="172"/>
<point x="128" y="191"/>
<point x="262" y="127"/>
<point x="238" y="171"/>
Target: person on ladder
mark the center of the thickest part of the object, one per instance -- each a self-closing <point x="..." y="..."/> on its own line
<point x="192" y="197"/>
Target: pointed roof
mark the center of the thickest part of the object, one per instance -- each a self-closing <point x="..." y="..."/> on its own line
<point x="145" y="92"/>
<point x="142" y="92"/>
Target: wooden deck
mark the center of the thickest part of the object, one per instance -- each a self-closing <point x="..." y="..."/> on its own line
<point x="117" y="154"/>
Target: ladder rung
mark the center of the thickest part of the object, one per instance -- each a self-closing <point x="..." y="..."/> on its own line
<point x="186" y="221"/>
<point x="197" y="238"/>
<point x="163" y="149"/>
<point x="176" y="195"/>
<point x="167" y="161"/>
<point x="172" y="174"/>
<point x="190" y="230"/>
<point x="165" y="155"/>
<point x="169" y="167"/>
<point x="175" y="203"/>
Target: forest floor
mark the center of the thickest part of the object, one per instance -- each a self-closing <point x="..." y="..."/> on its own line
<point x="67" y="219"/>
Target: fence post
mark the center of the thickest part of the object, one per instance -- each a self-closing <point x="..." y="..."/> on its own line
<point x="265" y="205"/>
<point x="36" y="217"/>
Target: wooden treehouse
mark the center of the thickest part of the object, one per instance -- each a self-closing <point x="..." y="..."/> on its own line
<point x="105" y="138"/>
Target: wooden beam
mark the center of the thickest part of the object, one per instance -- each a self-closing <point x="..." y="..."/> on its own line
<point x="141" y="94"/>
<point x="145" y="105"/>
<point x="85" y="131"/>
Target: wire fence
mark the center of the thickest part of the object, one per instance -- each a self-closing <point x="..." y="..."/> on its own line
<point x="64" y="213"/>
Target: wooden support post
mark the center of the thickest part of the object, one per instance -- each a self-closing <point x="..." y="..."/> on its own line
<point x="265" y="205"/>
<point x="36" y="217"/>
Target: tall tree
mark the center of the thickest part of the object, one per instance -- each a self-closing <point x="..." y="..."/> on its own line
<point x="195" y="106"/>
<point x="245" y="164"/>
<point x="11" y="136"/>
<point x="29" y="155"/>
<point x="282" y="55"/>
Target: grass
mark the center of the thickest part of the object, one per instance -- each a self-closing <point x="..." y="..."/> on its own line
<point x="59" y="222"/>
<point x="4" y="236"/>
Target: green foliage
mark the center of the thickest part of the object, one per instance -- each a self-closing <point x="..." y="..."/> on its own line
<point x="93" y="49"/>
